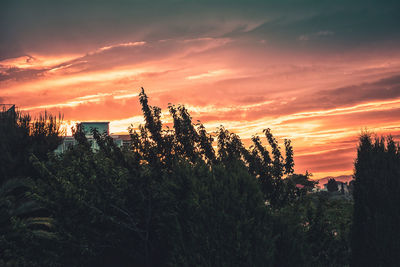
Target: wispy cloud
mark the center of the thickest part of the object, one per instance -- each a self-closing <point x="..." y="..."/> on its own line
<point x="208" y="74"/>
<point x="129" y="44"/>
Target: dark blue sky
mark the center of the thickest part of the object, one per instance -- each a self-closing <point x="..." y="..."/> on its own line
<point x="46" y="26"/>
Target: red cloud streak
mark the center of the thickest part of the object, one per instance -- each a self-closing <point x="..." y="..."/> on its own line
<point x="320" y="102"/>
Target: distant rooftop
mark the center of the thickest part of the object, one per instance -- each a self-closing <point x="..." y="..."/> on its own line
<point x="7" y="107"/>
<point x="94" y="122"/>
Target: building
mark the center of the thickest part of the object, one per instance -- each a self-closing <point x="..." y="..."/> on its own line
<point x="88" y="127"/>
<point x="122" y="140"/>
<point x="67" y="142"/>
<point x="101" y="127"/>
<point x="7" y="111"/>
<point x="10" y="108"/>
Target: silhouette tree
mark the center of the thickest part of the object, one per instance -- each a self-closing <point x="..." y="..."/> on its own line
<point x="332" y="185"/>
<point x="25" y="226"/>
<point x="375" y="235"/>
<point x="20" y="136"/>
<point x="178" y="196"/>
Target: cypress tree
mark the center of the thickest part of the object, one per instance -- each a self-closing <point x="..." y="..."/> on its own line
<point x="375" y="235"/>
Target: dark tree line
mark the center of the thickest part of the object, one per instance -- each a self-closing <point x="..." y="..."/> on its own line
<point x="178" y="196"/>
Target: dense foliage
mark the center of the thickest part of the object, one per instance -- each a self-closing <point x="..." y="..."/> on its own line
<point x="25" y="227"/>
<point x="376" y="237"/>
<point x="173" y="197"/>
<point x="332" y="185"/>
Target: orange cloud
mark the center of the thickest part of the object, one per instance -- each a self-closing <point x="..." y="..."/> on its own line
<point x="320" y="102"/>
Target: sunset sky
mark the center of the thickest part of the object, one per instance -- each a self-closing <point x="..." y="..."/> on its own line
<point x="317" y="72"/>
